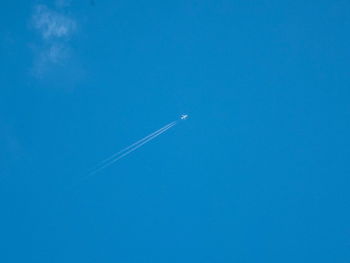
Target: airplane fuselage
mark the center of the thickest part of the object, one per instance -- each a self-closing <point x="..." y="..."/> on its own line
<point x="184" y="116"/>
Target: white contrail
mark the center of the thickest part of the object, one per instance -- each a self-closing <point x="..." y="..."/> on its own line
<point x="131" y="146"/>
<point x="115" y="157"/>
<point x="131" y="149"/>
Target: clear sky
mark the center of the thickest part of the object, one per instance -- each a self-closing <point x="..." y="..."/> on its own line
<point x="258" y="173"/>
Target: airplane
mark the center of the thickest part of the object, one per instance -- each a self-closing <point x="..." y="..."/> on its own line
<point x="184" y="116"/>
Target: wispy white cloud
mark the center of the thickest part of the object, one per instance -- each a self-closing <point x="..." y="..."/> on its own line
<point x="62" y="3"/>
<point x="55" y="29"/>
<point x="57" y="53"/>
<point x="50" y="58"/>
<point x="51" y="24"/>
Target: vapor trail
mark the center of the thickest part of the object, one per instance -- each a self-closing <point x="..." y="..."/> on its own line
<point x="130" y="146"/>
<point x="117" y="156"/>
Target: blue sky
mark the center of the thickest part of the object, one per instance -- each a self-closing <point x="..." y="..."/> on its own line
<point x="258" y="173"/>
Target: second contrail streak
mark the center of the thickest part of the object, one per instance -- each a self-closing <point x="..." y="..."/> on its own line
<point x="117" y="156"/>
<point x="132" y="145"/>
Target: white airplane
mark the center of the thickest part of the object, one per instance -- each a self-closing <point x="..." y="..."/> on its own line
<point x="184" y="116"/>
